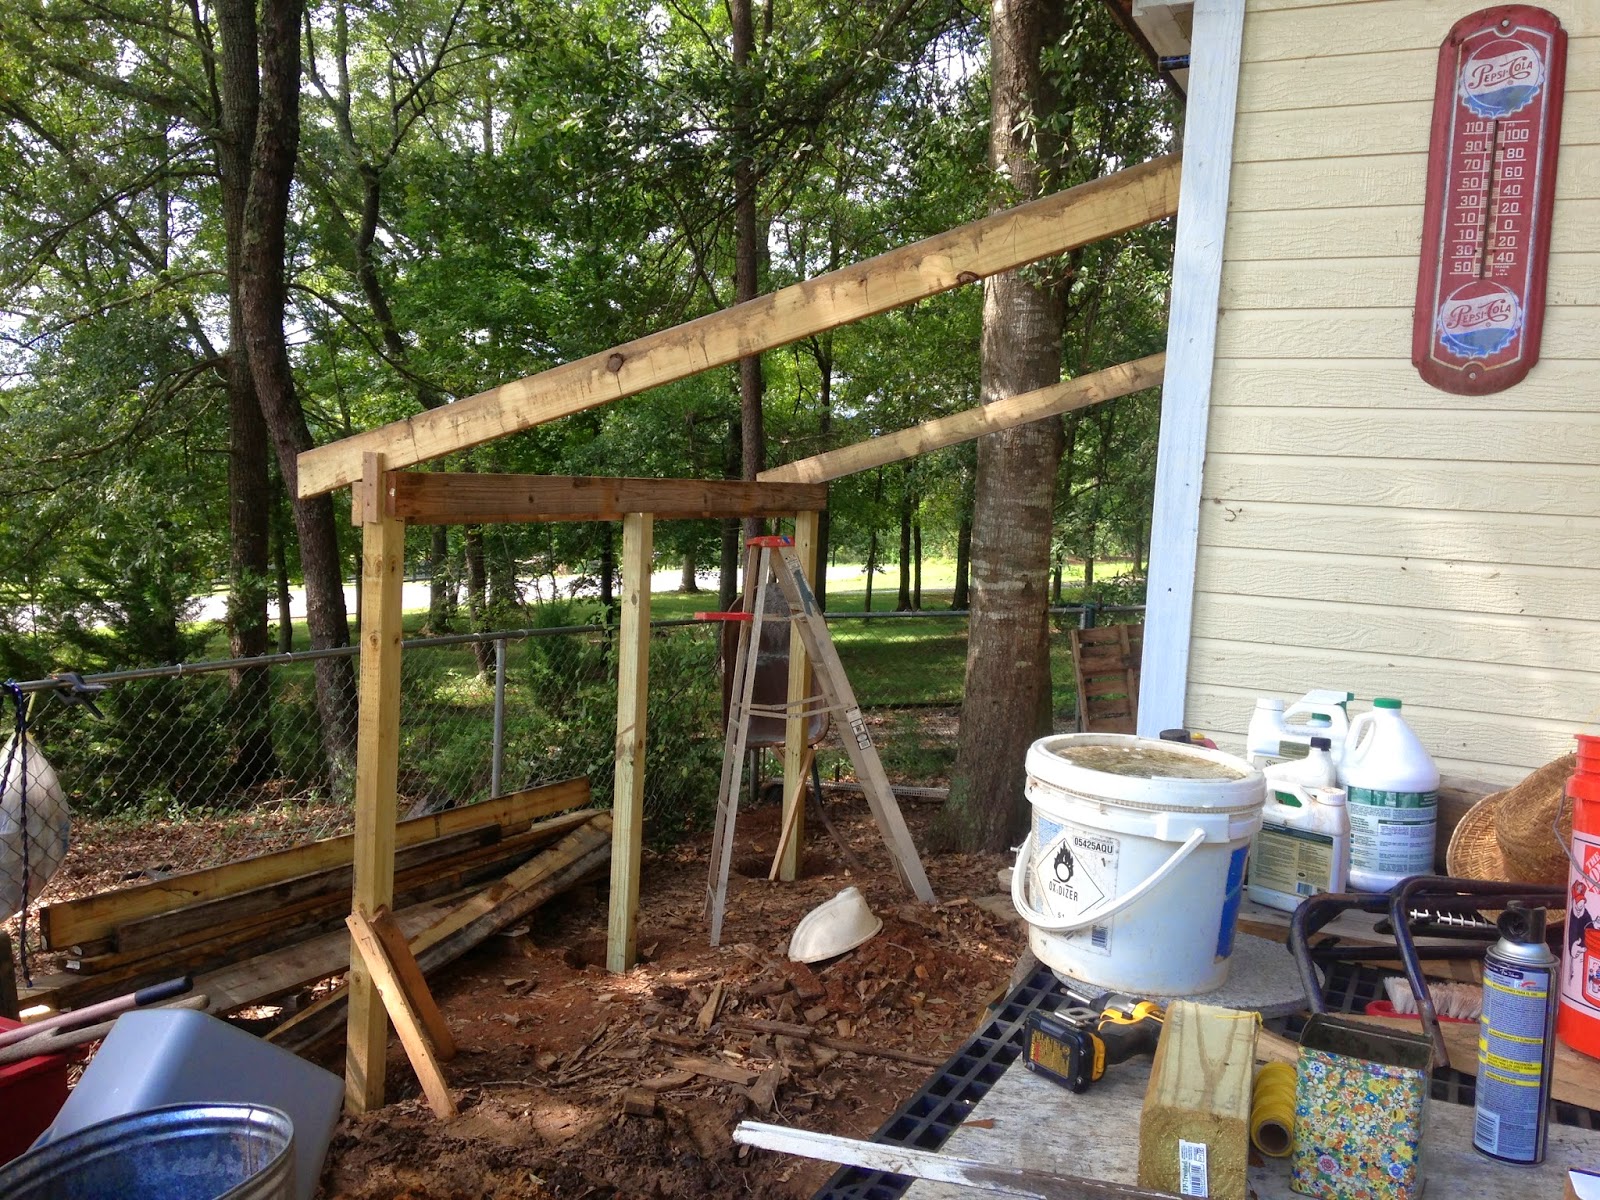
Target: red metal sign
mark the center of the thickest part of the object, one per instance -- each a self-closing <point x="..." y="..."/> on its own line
<point x="1491" y="189"/>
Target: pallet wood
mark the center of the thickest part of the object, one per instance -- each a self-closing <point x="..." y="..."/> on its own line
<point x="435" y="498"/>
<point x="1106" y="662"/>
<point x="88" y="918"/>
<point x="383" y="553"/>
<point x="796" y="753"/>
<point x="633" y="705"/>
<point x="1199" y="1093"/>
<point x="1069" y="394"/>
<point x="474" y="920"/>
<point x="1001" y="242"/>
<point x="410" y="1006"/>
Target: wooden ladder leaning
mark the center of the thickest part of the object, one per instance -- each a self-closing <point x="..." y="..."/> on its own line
<point x="769" y="560"/>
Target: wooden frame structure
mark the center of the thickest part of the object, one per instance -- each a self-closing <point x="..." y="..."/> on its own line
<point x="386" y="499"/>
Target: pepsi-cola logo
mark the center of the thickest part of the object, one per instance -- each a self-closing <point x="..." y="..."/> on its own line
<point x="1479" y="319"/>
<point x="1500" y="77"/>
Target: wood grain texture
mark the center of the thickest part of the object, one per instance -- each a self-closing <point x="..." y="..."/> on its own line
<point x="802" y="685"/>
<point x="1349" y="577"/>
<point x="448" y="498"/>
<point x="1050" y="225"/>
<point x="1199" y="1092"/>
<point x="1083" y="392"/>
<point x="383" y="554"/>
<point x="1208" y="140"/>
<point x="633" y="702"/>
<point x="409" y="1010"/>
<point x="1398" y="76"/>
<point x="1442" y="484"/>
<point x="87" y="918"/>
<point x="1570" y="333"/>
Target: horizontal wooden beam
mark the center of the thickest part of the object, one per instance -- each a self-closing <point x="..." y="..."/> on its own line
<point x="430" y="498"/>
<point x="1049" y="401"/>
<point x="1050" y="225"/>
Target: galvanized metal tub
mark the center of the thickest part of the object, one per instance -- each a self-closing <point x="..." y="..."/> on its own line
<point x="179" y="1152"/>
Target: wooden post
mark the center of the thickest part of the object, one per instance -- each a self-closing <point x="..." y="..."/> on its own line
<point x="383" y="544"/>
<point x="794" y="740"/>
<point x="633" y="689"/>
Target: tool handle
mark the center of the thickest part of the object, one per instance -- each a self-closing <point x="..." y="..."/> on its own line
<point x="1128" y="1037"/>
<point x="157" y="992"/>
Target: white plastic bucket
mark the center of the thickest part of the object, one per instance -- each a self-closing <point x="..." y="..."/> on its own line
<point x="1132" y="881"/>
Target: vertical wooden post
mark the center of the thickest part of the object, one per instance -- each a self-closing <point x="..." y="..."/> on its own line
<point x="794" y="740"/>
<point x="633" y="689"/>
<point x="383" y="544"/>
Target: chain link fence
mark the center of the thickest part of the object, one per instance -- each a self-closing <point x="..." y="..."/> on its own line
<point x="171" y="769"/>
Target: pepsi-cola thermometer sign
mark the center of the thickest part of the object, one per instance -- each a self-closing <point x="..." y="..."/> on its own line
<point x="1491" y="190"/>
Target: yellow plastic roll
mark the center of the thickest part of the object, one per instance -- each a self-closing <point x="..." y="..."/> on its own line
<point x="1272" y="1110"/>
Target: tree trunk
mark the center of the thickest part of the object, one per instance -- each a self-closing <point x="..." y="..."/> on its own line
<point x="1055" y="582"/>
<point x="686" y="580"/>
<point x="747" y="241"/>
<point x="1007" y="696"/>
<point x="280" y="560"/>
<point x="262" y="295"/>
<point x="477" y="595"/>
<point x="916" y="566"/>
<point x="824" y="355"/>
<point x="731" y="557"/>
<point x="608" y="571"/>
<point x="903" y="599"/>
<point x="441" y="589"/>
<point x="872" y="568"/>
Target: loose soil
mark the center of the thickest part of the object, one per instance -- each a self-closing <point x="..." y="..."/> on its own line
<point x="551" y="1045"/>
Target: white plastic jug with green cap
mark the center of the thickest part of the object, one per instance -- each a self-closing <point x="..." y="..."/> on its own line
<point x="1392" y="788"/>
<point x="1276" y="735"/>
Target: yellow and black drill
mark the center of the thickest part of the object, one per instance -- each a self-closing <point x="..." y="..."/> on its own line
<point x="1074" y="1046"/>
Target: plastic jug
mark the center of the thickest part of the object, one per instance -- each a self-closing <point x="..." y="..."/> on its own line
<point x="1392" y="788"/>
<point x="1303" y="846"/>
<point x="1316" y="770"/>
<point x="1276" y="734"/>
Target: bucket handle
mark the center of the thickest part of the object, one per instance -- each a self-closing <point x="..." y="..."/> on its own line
<point x="1042" y="920"/>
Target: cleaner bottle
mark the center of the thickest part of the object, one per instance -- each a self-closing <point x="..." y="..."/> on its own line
<point x="1303" y="846"/>
<point x="1578" y="1024"/>
<point x="1392" y="787"/>
<point x="1316" y="769"/>
<point x="1275" y="735"/>
<point x="1516" y="1043"/>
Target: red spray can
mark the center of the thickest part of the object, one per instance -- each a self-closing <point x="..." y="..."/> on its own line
<point x="1578" y="1020"/>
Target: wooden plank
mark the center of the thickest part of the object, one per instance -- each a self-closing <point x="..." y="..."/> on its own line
<point x="1391" y="386"/>
<point x="1191" y="343"/>
<point x="1443" y="585"/>
<point x="71" y="922"/>
<point x="1070" y="394"/>
<point x="796" y="754"/>
<point x="398" y="951"/>
<point x="1375" y="129"/>
<point x="377" y="766"/>
<point x="450" y="934"/>
<point x="983" y="1178"/>
<point x="1391" y="231"/>
<point x="408" y="1010"/>
<point x="1481" y="537"/>
<point x="433" y="498"/>
<point x="1199" y="1092"/>
<point x="1441" y="481"/>
<point x="1331" y="334"/>
<point x="633" y="704"/>
<point x="1395" y="76"/>
<point x="1002" y="242"/>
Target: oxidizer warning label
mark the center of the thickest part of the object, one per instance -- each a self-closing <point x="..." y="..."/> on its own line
<point x="1392" y="832"/>
<point x="1075" y="870"/>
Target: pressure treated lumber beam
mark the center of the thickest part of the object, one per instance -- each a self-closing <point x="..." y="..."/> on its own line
<point x="1069" y="394"/>
<point x="633" y="696"/>
<point x="383" y="555"/>
<point x="439" y="498"/>
<point x="410" y="1007"/>
<point x="1199" y="1093"/>
<point x="1050" y="225"/>
<point x="70" y="923"/>
<point x="793" y="841"/>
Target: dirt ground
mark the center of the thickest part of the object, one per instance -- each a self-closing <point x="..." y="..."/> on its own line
<point x="551" y="1046"/>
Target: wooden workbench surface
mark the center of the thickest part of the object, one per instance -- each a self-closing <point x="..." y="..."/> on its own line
<point x="1096" y="1134"/>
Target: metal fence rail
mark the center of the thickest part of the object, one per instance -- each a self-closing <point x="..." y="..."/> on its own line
<point x="158" y="784"/>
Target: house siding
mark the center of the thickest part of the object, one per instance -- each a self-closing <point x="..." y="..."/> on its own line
<point x="1358" y="528"/>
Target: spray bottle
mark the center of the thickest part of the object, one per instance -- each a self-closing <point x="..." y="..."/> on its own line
<point x="1516" y="1041"/>
<point x="1276" y="734"/>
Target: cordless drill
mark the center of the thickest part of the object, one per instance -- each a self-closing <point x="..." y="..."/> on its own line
<point x="1074" y="1046"/>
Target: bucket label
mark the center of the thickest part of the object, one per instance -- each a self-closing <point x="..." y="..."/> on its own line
<point x="1580" y="965"/>
<point x="1392" y="833"/>
<point x="1076" y="870"/>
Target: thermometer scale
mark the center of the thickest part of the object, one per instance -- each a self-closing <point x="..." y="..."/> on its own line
<point x="1491" y="191"/>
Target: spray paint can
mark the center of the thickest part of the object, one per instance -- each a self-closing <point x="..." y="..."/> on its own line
<point x="1516" y="1041"/>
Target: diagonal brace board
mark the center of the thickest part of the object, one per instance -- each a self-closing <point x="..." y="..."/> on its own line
<point x="1050" y="225"/>
<point x="410" y="1008"/>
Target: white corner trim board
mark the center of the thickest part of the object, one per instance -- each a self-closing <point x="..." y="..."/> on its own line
<point x="1191" y="341"/>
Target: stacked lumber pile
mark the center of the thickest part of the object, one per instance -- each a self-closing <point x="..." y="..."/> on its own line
<point x="264" y="926"/>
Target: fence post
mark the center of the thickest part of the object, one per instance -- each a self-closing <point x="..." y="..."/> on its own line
<point x="498" y="758"/>
<point x="1086" y="617"/>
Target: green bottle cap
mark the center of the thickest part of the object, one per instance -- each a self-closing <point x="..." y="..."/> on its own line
<point x="1385" y="702"/>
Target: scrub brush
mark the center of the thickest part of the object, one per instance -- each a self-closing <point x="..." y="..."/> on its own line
<point x="1451" y="1001"/>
